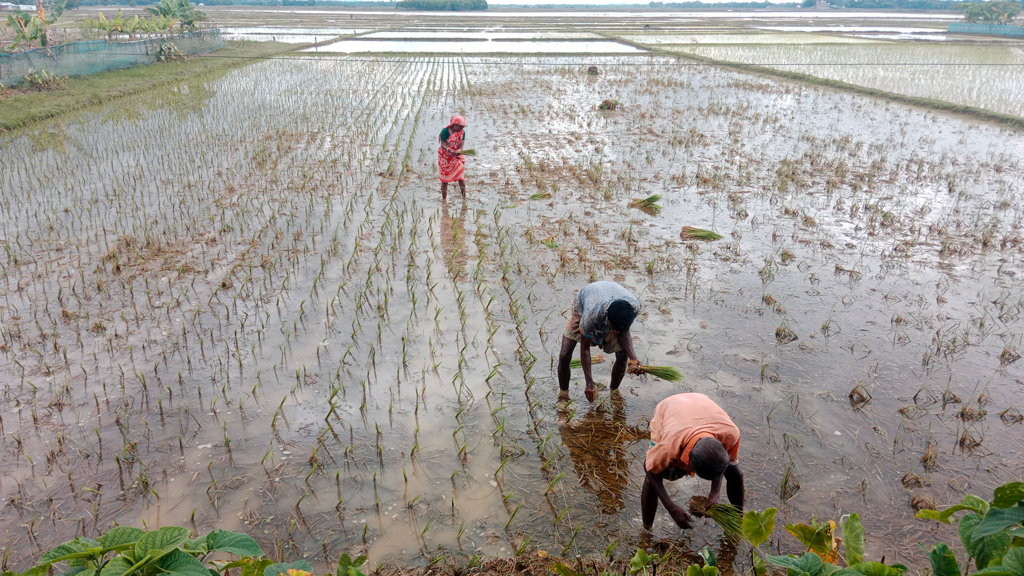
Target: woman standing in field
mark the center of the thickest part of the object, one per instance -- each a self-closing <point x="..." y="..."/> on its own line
<point x="451" y="162"/>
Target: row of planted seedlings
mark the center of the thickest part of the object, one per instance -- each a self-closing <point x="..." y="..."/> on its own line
<point x="284" y="219"/>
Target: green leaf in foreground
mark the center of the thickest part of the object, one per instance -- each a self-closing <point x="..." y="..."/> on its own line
<point x="853" y="538"/>
<point x="349" y="567"/>
<point x="117" y="566"/>
<point x="232" y="543"/>
<point x="1008" y="495"/>
<point x="160" y="541"/>
<point x="58" y="552"/>
<point x="282" y="568"/>
<point x="997" y="520"/>
<point x="178" y="563"/>
<point x="870" y="569"/>
<point x="943" y="561"/>
<point x="121" y="536"/>
<point x="758" y="526"/>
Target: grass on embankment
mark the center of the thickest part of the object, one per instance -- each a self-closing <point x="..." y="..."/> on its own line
<point x="22" y="107"/>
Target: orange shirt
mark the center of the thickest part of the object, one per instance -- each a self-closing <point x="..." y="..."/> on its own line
<point x="679" y="422"/>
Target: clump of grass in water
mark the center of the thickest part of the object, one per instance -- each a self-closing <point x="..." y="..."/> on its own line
<point x="667" y="373"/>
<point x="648" y="205"/>
<point x="691" y="233"/>
<point x="578" y="363"/>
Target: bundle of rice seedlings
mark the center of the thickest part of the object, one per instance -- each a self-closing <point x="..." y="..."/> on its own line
<point x="728" y="517"/>
<point x="578" y="363"/>
<point x="470" y="152"/>
<point x="691" y="233"/>
<point x="667" y="373"/>
<point x="698" y="505"/>
<point x="540" y="196"/>
<point x="648" y="204"/>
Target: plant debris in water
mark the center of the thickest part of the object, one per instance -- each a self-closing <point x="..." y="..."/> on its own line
<point x="609" y="105"/>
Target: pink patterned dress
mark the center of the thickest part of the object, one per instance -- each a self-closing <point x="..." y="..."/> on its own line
<point x="451" y="167"/>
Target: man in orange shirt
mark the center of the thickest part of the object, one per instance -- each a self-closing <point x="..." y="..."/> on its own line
<point x="690" y="434"/>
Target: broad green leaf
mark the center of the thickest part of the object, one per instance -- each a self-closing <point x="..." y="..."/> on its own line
<point x="997" y="520"/>
<point x="178" y="563"/>
<point x="817" y="537"/>
<point x="1013" y="561"/>
<point x="640" y="560"/>
<point x="1008" y="495"/>
<point x="709" y="571"/>
<point x="691" y="570"/>
<point x="943" y="561"/>
<point x="809" y="562"/>
<point x="281" y="568"/>
<point x="61" y="551"/>
<point x="120" y="536"/>
<point x="828" y="568"/>
<point x="758" y="526"/>
<point x="118" y="566"/>
<point x="74" y="570"/>
<point x="853" y="538"/>
<point x="993" y="571"/>
<point x="987" y="550"/>
<point x="708" y="556"/>
<point x="561" y="570"/>
<point x="232" y="543"/>
<point x="870" y="569"/>
<point x="257" y="567"/>
<point x="37" y="570"/>
<point x="759" y="566"/>
<point x="160" y="541"/>
<point x="196" y="546"/>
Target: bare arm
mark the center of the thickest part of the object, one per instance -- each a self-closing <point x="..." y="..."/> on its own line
<point x="588" y="378"/>
<point x="734" y="485"/>
<point x="626" y="341"/>
<point x="654" y="491"/>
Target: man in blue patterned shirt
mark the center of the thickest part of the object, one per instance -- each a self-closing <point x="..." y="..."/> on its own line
<point x="601" y="316"/>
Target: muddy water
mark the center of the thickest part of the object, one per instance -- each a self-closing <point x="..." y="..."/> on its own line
<point x="283" y="330"/>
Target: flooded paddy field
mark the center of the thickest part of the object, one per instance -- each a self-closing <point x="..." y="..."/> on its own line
<point x="981" y="75"/>
<point x="199" y="284"/>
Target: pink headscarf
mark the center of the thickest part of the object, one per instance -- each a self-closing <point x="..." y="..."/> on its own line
<point x="457" y="121"/>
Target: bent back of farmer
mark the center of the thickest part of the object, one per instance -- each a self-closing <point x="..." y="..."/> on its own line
<point x="602" y="314"/>
<point x="690" y="435"/>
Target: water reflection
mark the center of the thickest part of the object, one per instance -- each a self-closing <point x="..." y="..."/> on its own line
<point x="598" y="444"/>
<point x="453" y="238"/>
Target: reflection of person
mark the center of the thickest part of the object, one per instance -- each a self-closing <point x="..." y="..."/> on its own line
<point x="602" y="314"/>
<point x="597" y="445"/>
<point x="453" y="237"/>
<point x="451" y="162"/>
<point x="690" y="434"/>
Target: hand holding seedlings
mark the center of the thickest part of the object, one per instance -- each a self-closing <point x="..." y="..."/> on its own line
<point x="602" y="315"/>
<point x="691" y="435"/>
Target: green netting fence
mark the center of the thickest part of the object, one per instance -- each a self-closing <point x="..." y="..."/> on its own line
<point x="990" y="29"/>
<point x="84" y="58"/>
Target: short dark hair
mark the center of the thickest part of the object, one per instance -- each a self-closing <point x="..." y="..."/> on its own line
<point x="621" y="315"/>
<point x="708" y="458"/>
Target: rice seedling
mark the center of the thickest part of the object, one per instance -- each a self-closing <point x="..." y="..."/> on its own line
<point x="594" y="359"/>
<point x="648" y="205"/>
<point x="667" y="373"/>
<point x="691" y="233"/>
<point x="469" y="152"/>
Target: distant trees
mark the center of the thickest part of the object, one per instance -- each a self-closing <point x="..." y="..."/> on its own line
<point x="996" y="12"/>
<point x="442" y="4"/>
